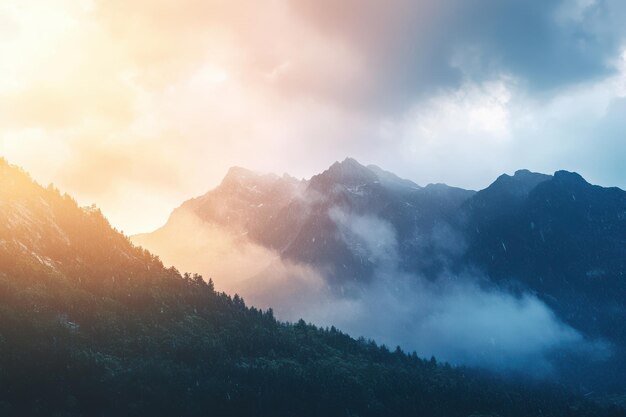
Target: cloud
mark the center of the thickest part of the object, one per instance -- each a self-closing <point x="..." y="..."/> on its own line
<point x="194" y="245"/>
<point x="435" y="90"/>
<point x="410" y="45"/>
<point x="369" y="236"/>
<point x="471" y="134"/>
<point x="204" y="83"/>
<point x="457" y="320"/>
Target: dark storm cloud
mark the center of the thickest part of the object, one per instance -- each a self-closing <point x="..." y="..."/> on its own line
<point x="411" y="48"/>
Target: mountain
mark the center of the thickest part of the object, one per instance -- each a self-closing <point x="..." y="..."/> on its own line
<point x="560" y="236"/>
<point x="298" y="219"/>
<point x="564" y="240"/>
<point x="92" y="325"/>
<point x="361" y="234"/>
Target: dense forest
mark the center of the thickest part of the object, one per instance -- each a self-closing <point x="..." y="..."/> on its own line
<point x="91" y="325"/>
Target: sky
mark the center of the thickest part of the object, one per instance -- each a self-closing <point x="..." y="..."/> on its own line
<point x="138" y="105"/>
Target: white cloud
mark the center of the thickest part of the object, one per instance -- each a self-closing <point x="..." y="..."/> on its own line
<point x="470" y="135"/>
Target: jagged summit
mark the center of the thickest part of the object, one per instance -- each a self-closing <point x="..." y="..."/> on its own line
<point x="523" y="172"/>
<point x="352" y="174"/>
<point x="239" y="172"/>
<point x="348" y="168"/>
<point x="240" y="176"/>
<point x="348" y="172"/>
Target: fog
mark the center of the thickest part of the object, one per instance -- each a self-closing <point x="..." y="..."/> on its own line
<point x="458" y="318"/>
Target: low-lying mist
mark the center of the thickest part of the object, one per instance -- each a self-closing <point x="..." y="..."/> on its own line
<point x="455" y="317"/>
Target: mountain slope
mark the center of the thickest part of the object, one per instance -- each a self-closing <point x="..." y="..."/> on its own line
<point x="91" y="325"/>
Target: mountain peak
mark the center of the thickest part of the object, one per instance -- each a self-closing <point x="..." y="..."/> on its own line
<point x="567" y="177"/>
<point x="350" y="161"/>
<point x="238" y="176"/>
<point x="522" y="173"/>
<point x="348" y="166"/>
<point x="520" y="183"/>
<point x="348" y="172"/>
<point x="239" y="173"/>
<point x="507" y="188"/>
